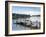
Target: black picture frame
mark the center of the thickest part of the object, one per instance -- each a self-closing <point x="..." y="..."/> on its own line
<point x="6" y="18"/>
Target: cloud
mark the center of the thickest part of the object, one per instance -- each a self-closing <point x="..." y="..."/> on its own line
<point x="28" y="13"/>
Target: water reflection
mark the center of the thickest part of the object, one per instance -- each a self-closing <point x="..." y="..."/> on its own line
<point x="35" y="24"/>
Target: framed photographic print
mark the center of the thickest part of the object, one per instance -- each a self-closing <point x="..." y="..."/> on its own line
<point x="24" y="18"/>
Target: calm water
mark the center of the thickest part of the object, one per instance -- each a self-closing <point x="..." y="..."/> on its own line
<point x="20" y="27"/>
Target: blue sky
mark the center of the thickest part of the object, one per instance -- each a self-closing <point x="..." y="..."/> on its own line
<point x="21" y="9"/>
